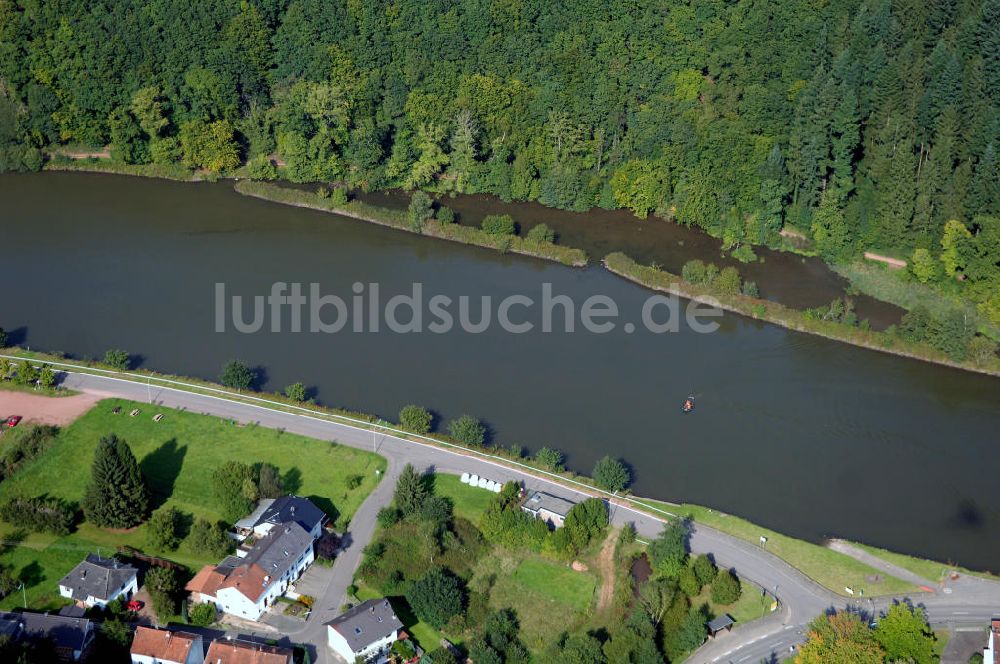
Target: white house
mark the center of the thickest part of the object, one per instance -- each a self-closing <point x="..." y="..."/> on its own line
<point x="548" y="508"/>
<point x="991" y="655"/>
<point x="246" y="586"/>
<point x="271" y="513"/>
<point x="97" y="581"/>
<point x="366" y="631"/>
<point x="160" y="646"/>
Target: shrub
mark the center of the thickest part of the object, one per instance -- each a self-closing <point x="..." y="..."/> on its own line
<point x="750" y="289"/>
<point x="704" y="569"/>
<point x="541" y="233"/>
<point x="41" y="514"/>
<point x="296" y="392"/>
<point x="25" y="445"/>
<point x="269" y="482"/>
<point x="237" y="375"/>
<point x="728" y="281"/>
<point x="981" y="350"/>
<point x="202" y="615"/>
<point x="420" y="210"/>
<point x="235" y="489"/>
<point x="323" y="191"/>
<point x="436" y="597"/>
<point x="163" y="587"/>
<point x="162" y="529"/>
<point x="550" y="458"/>
<point x="688" y="582"/>
<point x="339" y="196"/>
<point x="327" y="546"/>
<point x="627" y="534"/>
<point x="445" y="215"/>
<point x="693" y="272"/>
<point x="116" y="358"/>
<point x="209" y="539"/>
<point x="586" y="520"/>
<point x="611" y="474"/>
<point x="46" y="377"/>
<point x="27" y="373"/>
<point x="726" y="588"/>
<point x="467" y="430"/>
<point x="711" y="272"/>
<point x="388" y="516"/>
<point x="415" y="418"/>
<point x="3" y="338"/>
<point x="262" y="168"/>
<point x="499" y="224"/>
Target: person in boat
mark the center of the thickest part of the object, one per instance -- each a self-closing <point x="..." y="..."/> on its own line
<point x="688" y="405"/>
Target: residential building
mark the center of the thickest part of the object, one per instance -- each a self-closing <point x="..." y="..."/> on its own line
<point x="991" y="655"/>
<point x="96" y="581"/>
<point x="247" y="586"/>
<point x="161" y="646"/>
<point x="279" y="511"/>
<point x="71" y="637"/>
<point x="548" y="508"/>
<point x="225" y="651"/>
<point x="366" y="631"/>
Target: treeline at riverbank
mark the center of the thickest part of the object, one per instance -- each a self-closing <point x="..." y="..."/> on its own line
<point x="949" y="339"/>
<point x="863" y="126"/>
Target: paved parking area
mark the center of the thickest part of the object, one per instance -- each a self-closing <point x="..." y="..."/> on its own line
<point x="962" y="645"/>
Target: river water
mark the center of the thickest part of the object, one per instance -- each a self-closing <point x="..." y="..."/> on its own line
<point x="800" y="434"/>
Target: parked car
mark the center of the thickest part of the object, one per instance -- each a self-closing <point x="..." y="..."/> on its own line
<point x="13" y="421"/>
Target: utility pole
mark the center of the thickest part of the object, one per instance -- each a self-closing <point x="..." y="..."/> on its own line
<point x="24" y="594"/>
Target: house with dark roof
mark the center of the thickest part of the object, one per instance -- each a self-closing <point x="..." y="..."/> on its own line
<point x="161" y="646"/>
<point x="550" y="509"/>
<point x="246" y="586"/>
<point x="366" y="631"/>
<point x="97" y="581"/>
<point x="71" y="637"/>
<point x="278" y="511"/>
<point x="225" y="651"/>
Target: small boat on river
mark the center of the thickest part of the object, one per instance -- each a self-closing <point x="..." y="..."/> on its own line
<point x="688" y="405"/>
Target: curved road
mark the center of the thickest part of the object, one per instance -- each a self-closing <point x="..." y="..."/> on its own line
<point x="965" y="602"/>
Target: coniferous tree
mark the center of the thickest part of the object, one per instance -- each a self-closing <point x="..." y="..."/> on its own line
<point x="117" y="496"/>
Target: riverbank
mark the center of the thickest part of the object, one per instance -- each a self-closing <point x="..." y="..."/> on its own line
<point x="399" y="220"/>
<point x="828" y="568"/>
<point x="778" y="314"/>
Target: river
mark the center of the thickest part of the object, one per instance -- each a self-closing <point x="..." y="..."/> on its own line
<point x="801" y="434"/>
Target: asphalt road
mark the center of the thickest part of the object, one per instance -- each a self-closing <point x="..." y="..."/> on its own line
<point x="965" y="602"/>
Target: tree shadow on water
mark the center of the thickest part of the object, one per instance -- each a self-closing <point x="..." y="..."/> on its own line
<point x="161" y="468"/>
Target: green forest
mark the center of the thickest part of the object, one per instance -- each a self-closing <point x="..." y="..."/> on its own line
<point x="865" y="125"/>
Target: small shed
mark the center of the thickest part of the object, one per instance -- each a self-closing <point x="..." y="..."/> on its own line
<point x="722" y="623"/>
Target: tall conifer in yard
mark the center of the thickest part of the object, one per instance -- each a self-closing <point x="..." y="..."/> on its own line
<point x="117" y="496"/>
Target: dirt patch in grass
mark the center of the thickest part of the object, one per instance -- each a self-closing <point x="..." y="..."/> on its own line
<point x="39" y="409"/>
<point x="606" y="567"/>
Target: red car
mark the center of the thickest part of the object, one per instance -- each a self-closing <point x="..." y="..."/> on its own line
<point x="13" y="421"/>
<point x="134" y="606"/>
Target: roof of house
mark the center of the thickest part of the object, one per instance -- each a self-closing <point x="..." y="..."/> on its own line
<point x="206" y="581"/>
<point x="164" y="645"/>
<point x="251" y="520"/>
<point x="65" y="633"/>
<point x="293" y="508"/>
<point x="241" y="652"/>
<point x="97" y="577"/>
<point x="539" y="500"/>
<point x="269" y="559"/>
<point x="366" y="623"/>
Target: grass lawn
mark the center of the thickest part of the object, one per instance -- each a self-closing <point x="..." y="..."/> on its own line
<point x="825" y="566"/>
<point x="750" y="606"/>
<point x="10" y="386"/>
<point x="928" y="569"/>
<point x="177" y="455"/>
<point x="943" y="636"/>
<point x="469" y="502"/>
<point x="548" y="597"/>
